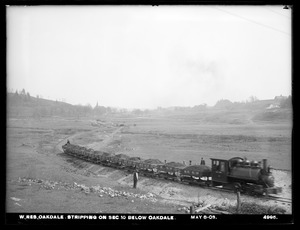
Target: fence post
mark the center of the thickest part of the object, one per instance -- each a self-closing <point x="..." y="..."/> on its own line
<point x="192" y="210"/>
<point x="238" y="205"/>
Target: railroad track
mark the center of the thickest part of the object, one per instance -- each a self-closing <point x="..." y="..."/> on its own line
<point x="279" y="199"/>
<point x="267" y="197"/>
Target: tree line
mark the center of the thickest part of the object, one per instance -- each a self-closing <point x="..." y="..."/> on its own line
<point x="21" y="103"/>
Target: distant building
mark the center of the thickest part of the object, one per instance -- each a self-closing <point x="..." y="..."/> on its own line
<point x="273" y="106"/>
<point x="279" y="98"/>
<point x="277" y="101"/>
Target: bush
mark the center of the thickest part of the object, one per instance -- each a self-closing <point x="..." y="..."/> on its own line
<point x="254" y="208"/>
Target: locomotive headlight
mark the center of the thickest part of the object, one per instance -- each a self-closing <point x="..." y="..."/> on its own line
<point x="269" y="180"/>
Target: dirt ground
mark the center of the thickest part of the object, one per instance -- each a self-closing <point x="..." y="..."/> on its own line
<point x="41" y="178"/>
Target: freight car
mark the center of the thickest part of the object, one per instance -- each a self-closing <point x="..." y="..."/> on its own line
<point x="170" y="170"/>
<point x="235" y="173"/>
<point x="119" y="161"/>
<point x="149" y="167"/>
<point x="196" y="174"/>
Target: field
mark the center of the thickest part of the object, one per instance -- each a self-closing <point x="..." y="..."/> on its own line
<point x="41" y="178"/>
<point x="171" y="140"/>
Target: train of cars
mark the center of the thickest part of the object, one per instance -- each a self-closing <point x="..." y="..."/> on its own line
<point x="235" y="173"/>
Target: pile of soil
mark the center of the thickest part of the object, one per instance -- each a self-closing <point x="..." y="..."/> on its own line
<point x="76" y="147"/>
<point x="135" y="159"/>
<point x="199" y="168"/>
<point x="122" y="156"/>
<point x="106" y="154"/>
<point x="175" y="164"/>
<point x="98" y="152"/>
<point x="153" y="161"/>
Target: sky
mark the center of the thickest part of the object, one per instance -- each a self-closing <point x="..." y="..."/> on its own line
<point x="149" y="57"/>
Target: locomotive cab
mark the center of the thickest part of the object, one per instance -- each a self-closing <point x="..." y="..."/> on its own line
<point x="219" y="170"/>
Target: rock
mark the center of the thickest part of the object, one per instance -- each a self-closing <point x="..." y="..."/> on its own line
<point x="15" y="199"/>
<point x="149" y="194"/>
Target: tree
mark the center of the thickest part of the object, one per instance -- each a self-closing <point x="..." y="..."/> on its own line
<point x="253" y="99"/>
<point x="87" y="109"/>
<point x="286" y="103"/>
<point x="109" y="110"/>
<point x="200" y="107"/>
<point x="224" y="103"/>
<point x="99" y="110"/>
<point x="23" y="92"/>
<point x="137" y="111"/>
<point x="28" y="96"/>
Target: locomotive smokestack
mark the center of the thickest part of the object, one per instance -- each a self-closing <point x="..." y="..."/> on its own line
<point x="265" y="165"/>
<point x="190" y="162"/>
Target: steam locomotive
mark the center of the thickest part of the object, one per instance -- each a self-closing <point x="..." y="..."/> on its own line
<point x="235" y="173"/>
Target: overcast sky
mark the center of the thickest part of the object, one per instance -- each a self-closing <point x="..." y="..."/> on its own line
<point x="145" y="57"/>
